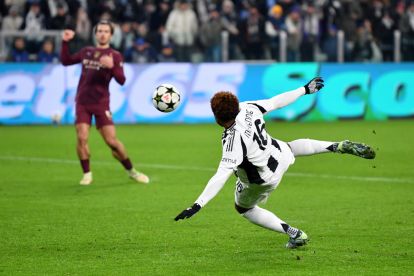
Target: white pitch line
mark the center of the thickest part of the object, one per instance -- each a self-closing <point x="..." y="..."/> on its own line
<point x="195" y="168"/>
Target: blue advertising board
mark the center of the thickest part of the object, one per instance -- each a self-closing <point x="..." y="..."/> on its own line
<point x="37" y="93"/>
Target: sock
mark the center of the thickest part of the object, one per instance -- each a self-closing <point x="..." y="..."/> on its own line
<point x="265" y="218"/>
<point x="85" y="165"/>
<point x="308" y="147"/>
<point x="127" y="164"/>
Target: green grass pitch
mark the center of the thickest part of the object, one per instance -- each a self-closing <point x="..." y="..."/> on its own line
<point x="358" y="213"/>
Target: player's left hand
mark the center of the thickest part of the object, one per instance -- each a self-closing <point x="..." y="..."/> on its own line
<point x="189" y="212"/>
<point x="314" y="85"/>
<point x="107" y="61"/>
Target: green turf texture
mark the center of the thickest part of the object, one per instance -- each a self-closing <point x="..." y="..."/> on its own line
<point x="359" y="214"/>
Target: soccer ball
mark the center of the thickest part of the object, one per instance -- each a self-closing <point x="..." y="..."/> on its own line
<point x="166" y="98"/>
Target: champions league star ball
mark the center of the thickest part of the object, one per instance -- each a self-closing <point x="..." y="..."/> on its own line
<point x="166" y="98"/>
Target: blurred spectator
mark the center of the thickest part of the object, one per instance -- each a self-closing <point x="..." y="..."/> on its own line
<point x="141" y="52"/>
<point x="182" y="28"/>
<point x="274" y="24"/>
<point x="83" y="28"/>
<point x="167" y="54"/>
<point x="203" y="9"/>
<point x="211" y="37"/>
<point x="13" y="21"/>
<point x="161" y="16"/>
<point x="128" y="10"/>
<point x="407" y="30"/>
<point x="7" y="4"/>
<point x="375" y="13"/>
<point x="287" y="5"/>
<point x="229" y="21"/>
<point x="294" y="34"/>
<point x="62" y="20"/>
<point x="252" y="31"/>
<point x="385" y="35"/>
<point x="365" y="48"/>
<point x="310" y="31"/>
<point x="48" y="53"/>
<point x="330" y="45"/>
<point x="35" y="20"/>
<point x="150" y="18"/>
<point x="331" y="11"/>
<point x="34" y="23"/>
<point x="128" y="36"/>
<point x="18" y="52"/>
<point x="141" y="30"/>
<point x="351" y="14"/>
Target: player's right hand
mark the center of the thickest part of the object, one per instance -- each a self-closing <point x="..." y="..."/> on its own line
<point x="189" y="212"/>
<point x="67" y="35"/>
<point x="314" y="85"/>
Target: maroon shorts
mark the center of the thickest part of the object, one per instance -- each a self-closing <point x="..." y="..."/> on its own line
<point x="84" y="113"/>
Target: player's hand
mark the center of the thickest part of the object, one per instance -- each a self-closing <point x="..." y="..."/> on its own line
<point x="314" y="85"/>
<point x="189" y="212"/>
<point x="67" y="35"/>
<point x="107" y="61"/>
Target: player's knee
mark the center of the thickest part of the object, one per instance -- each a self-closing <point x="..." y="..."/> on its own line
<point x="82" y="140"/>
<point x="241" y="210"/>
<point x="111" y="142"/>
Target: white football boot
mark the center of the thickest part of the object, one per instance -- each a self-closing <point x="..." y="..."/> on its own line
<point x="138" y="176"/>
<point x="86" y="179"/>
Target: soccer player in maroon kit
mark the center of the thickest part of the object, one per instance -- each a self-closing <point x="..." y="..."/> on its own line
<point x="99" y="65"/>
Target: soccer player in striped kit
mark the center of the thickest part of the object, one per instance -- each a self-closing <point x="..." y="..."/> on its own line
<point x="99" y="65"/>
<point x="260" y="160"/>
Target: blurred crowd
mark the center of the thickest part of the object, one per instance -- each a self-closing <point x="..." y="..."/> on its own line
<point x="185" y="30"/>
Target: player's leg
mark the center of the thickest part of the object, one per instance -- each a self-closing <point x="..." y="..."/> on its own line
<point x="82" y="148"/>
<point x="303" y="147"/>
<point x="246" y="199"/>
<point x="108" y="133"/>
<point x="82" y="125"/>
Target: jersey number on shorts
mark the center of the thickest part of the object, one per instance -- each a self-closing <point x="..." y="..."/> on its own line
<point x="260" y="139"/>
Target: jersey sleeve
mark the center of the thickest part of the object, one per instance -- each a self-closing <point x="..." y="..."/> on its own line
<point x="118" y="69"/>
<point x="278" y="101"/>
<point x="66" y="58"/>
<point x="232" y="157"/>
<point x="214" y="185"/>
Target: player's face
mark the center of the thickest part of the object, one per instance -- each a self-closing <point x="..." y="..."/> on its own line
<point x="103" y="35"/>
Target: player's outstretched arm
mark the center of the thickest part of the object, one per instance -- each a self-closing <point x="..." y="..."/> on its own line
<point x="212" y="188"/>
<point x="289" y="97"/>
<point x="65" y="57"/>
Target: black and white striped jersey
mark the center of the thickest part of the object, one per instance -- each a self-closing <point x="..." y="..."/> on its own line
<point x="250" y="151"/>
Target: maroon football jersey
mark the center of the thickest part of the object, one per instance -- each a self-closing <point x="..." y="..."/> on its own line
<point x="93" y="87"/>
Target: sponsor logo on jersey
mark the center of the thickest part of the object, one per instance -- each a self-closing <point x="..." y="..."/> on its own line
<point x="228" y="160"/>
<point x="91" y="64"/>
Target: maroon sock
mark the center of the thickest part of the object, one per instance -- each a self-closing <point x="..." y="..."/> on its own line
<point x="127" y="164"/>
<point x="85" y="165"/>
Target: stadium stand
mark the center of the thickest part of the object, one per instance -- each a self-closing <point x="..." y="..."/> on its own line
<point x="260" y="30"/>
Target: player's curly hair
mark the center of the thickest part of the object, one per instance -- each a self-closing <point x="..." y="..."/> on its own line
<point x="225" y="107"/>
